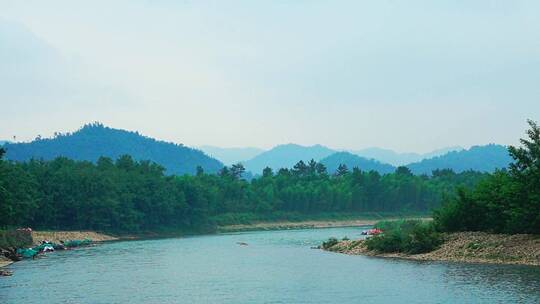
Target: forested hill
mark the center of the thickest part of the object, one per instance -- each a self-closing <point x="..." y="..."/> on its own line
<point x="333" y="161"/>
<point x="286" y="156"/>
<point x="95" y="140"/>
<point x="478" y="158"/>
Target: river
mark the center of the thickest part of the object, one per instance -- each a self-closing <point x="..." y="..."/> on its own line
<point x="275" y="267"/>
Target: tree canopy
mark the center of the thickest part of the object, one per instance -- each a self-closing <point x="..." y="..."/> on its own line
<point x="130" y="195"/>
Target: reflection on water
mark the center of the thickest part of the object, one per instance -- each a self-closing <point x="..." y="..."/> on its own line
<point x="275" y="267"/>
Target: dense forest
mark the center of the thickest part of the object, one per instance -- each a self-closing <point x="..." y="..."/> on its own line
<point x="505" y="201"/>
<point x="95" y="140"/>
<point x="129" y="195"/>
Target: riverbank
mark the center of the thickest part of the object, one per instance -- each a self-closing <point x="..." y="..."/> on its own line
<point x="285" y="225"/>
<point x="336" y="220"/>
<point x="57" y="236"/>
<point x="469" y="247"/>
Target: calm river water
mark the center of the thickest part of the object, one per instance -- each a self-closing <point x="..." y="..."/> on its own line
<point x="276" y="267"/>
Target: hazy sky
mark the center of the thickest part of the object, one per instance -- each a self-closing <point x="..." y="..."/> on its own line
<point x="405" y="75"/>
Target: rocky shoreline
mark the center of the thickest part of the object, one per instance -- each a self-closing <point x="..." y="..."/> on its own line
<point x="57" y="237"/>
<point x="468" y="247"/>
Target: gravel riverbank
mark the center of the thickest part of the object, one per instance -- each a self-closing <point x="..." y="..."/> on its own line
<point x="285" y="225"/>
<point x="470" y="247"/>
<point x="57" y="236"/>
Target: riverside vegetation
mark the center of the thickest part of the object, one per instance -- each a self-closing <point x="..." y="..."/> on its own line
<point x="128" y="196"/>
<point x="505" y="202"/>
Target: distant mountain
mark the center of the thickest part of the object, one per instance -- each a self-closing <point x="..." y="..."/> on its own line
<point x="351" y="160"/>
<point x="95" y="140"/>
<point x="479" y="158"/>
<point x="442" y="151"/>
<point x="230" y="156"/>
<point x="388" y="156"/>
<point x="400" y="159"/>
<point x="286" y="156"/>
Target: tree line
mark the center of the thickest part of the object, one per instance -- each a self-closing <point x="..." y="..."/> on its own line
<point x="129" y="195"/>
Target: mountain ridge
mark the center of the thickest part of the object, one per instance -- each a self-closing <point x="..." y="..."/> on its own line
<point x="352" y="160"/>
<point x="95" y="140"/>
<point x="400" y="158"/>
<point x="286" y="156"/>
<point x="485" y="158"/>
<point x="231" y="155"/>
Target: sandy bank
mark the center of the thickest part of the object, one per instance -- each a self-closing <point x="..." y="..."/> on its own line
<point x="295" y="225"/>
<point x="470" y="247"/>
<point x="284" y="225"/>
<point x="57" y="236"/>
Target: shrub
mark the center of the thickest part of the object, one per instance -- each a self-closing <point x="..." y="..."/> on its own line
<point x="410" y="236"/>
<point x="423" y="238"/>
<point x="331" y="242"/>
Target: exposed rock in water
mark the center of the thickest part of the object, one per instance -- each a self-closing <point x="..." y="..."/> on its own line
<point x="472" y="247"/>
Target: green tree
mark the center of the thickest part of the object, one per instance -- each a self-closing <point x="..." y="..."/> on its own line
<point x="525" y="172"/>
<point x="341" y="170"/>
<point x="237" y="170"/>
<point x="267" y="172"/>
<point x="199" y="171"/>
<point x="402" y="170"/>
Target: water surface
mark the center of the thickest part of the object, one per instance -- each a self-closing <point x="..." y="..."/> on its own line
<point x="276" y="267"/>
